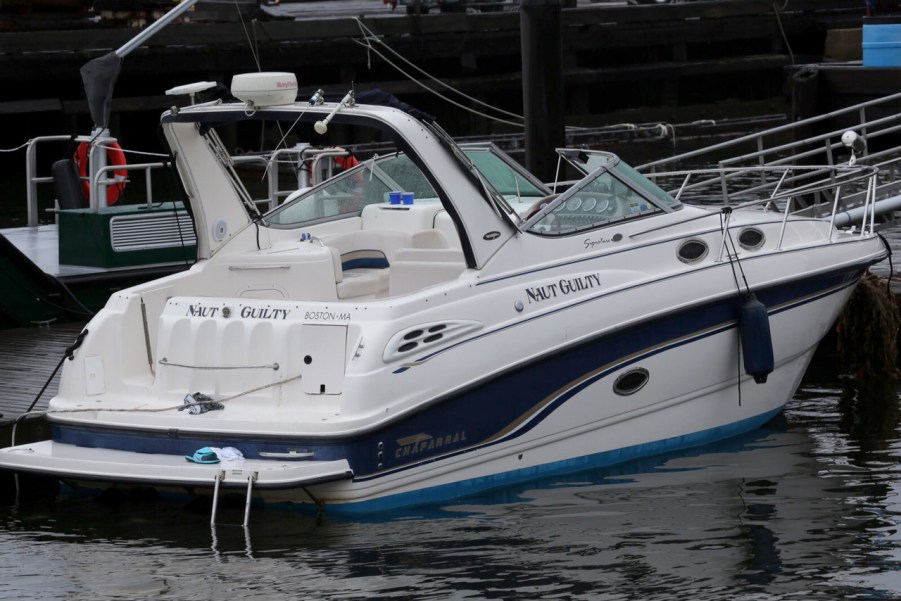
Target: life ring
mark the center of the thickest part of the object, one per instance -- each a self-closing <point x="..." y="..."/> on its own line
<point x="114" y="156"/>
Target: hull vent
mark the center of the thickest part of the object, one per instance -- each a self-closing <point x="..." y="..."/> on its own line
<point x="423" y="337"/>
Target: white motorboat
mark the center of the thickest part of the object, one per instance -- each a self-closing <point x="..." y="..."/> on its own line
<point x="363" y="349"/>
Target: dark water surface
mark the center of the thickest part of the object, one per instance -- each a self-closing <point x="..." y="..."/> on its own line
<point x="807" y="507"/>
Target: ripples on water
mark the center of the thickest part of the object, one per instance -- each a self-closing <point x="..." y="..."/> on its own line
<point x="807" y="507"/>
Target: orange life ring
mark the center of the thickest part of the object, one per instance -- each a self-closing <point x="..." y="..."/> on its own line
<point x="114" y="156"/>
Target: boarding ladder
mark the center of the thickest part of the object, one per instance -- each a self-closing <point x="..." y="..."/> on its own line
<point x="220" y="476"/>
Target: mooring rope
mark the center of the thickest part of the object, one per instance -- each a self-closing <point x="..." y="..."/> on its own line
<point x="891" y="268"/>
<point x="369" y="47"/>
<point x="788" y="47"/>
<point x="158" y="409"/>
<point x="733" y="261"/>
<point x="69" y="353"/>
<point x="19" y="147"/>
<point x="369" y="36"/>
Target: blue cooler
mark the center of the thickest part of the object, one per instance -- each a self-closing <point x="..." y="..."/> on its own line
<point x="882" y="42"/>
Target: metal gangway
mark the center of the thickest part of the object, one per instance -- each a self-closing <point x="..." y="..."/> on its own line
<point x="755" y="166"/>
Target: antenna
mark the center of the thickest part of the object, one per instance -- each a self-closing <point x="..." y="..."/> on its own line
<point x="191" y="89"/>
<point x="322" y="126"/>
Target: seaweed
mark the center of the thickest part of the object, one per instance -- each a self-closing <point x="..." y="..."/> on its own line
<point x="867" y="330"/>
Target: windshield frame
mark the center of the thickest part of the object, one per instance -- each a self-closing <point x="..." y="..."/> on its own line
<point x="616" y="168"/>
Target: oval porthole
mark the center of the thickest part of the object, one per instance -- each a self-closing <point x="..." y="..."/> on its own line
<point x="631" y="382"/>
<point x="751" y="238"/>
<point x="692" y="251"/>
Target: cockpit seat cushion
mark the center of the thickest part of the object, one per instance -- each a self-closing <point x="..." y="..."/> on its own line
<point x="359" y="283"/>
<point x="417" y="268"/>
<point x="367" y="255"/>
<point x="372" y="249"/>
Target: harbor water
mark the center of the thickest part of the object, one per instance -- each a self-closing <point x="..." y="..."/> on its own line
<point x="807" y="507"/>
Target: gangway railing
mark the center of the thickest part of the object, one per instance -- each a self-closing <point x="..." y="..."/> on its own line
<point x="792" y="144"/>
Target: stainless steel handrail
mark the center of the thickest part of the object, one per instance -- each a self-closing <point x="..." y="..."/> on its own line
<point x="31" y="178"/>
<point x="270" y="162"/>
<point x="100" y="179"/>
<point x="837" y="180"/>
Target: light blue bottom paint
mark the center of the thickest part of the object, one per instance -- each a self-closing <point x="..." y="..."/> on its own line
<point x="456" y="490"/>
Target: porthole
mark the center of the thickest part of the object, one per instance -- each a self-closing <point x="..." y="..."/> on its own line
<point x="413" y="334"/>
<point x="692" y="251"/>
<point x="409" y="346"/>
<point x="631" y="381"/>
<point x="751" y="238"/>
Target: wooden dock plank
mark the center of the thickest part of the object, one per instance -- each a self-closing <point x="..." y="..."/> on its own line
<point x="28" y="357"/>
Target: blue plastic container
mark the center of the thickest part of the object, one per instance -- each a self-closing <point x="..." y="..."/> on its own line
<point x="407" y="198"/>
<point x="394" y="197"/>
<point x="882" y="42"/>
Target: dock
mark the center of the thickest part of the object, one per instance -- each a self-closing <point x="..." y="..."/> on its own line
<point x="674" y="63"/>
<point x="28" y="357"/>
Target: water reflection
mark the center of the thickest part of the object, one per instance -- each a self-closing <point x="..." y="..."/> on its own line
<point x="805" y="507"/>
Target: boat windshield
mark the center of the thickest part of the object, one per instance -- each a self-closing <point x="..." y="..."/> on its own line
<point x="371" y="182"/>
<point x="348" y="192"/>
<point x="612" y="193"/>
<point x="588" y="161"/>
<point x="506" y="176"/>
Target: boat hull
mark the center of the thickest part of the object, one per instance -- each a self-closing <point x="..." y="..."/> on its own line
<point x="557" y="414"/>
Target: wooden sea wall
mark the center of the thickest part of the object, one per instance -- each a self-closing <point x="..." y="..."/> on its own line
<point x="709" y="59"/>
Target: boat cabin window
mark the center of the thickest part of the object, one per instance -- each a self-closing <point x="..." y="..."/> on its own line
<point x="612" y="193"/>
<point x="347" y="193"/>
